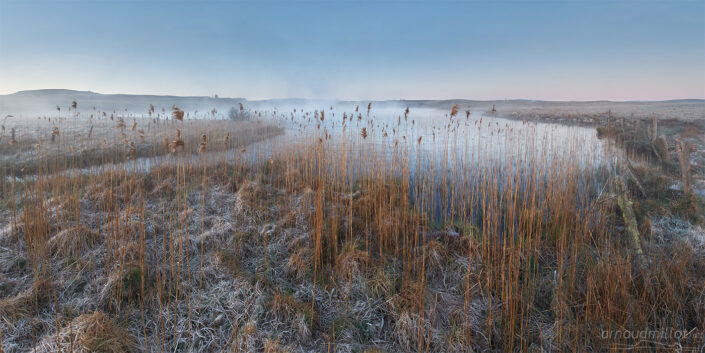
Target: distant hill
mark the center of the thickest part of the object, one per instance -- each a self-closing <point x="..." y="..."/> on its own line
<point x="43" y="102"/>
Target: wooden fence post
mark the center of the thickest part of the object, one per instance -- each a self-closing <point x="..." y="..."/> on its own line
<point x="684" y="159"/>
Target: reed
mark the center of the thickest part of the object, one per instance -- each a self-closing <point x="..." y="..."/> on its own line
<point x="209" y="234"/>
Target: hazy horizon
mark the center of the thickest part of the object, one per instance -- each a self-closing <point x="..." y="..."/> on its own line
<point x="344" y="99"/>
<point x="368" y="176"/>
<point x="553" y="51"/>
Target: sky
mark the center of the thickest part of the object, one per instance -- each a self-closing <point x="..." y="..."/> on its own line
<point x="547" y="50"/>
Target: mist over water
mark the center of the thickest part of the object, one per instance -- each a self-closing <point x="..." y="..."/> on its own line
<point x="452" y="153"/>
<point x="424" y="136"/>
<point x="427" y="146"/>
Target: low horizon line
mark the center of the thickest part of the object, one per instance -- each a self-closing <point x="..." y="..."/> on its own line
<point x="358" y="100"/>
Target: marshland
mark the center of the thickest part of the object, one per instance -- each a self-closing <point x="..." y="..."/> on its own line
<point x="349" y="226"/>
<point x="352" y="176"/>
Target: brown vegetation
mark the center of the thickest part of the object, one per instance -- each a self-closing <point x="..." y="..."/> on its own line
<point x="351" y="237"/>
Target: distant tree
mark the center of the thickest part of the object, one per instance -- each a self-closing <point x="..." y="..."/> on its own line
<point x="238" y="114"/>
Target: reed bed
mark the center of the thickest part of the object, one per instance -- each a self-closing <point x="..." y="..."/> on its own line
<point x="347" y="232"/>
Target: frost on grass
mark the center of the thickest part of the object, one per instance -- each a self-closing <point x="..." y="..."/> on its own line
<point x="232" y="259"/>
<point x="138" y="282"/>
<point x="89" y="333"/>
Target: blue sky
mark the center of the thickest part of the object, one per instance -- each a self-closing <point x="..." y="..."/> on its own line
<point x="553" y="50"/>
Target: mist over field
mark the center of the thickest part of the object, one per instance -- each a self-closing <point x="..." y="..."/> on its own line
<point x="407" y="176"/>
<point x="45" y="102"/>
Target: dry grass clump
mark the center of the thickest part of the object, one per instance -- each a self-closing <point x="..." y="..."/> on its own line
<point x="23" y="303"/>
<point x="351" y="263"/>
<point x="692" y="131"/>
<point x="218" y="231"/>
<point x="129" y="253"/>
<point x="12" y="233"/>
<point x="669" y="288"/>
<point x="125" y="285"/>
<point x="252" y="193"/>
<point x="72" y="242"/>
<point x="126" y="228"/>
<point x="661" y="146"/>
<point x="382" y="283"/>
<point x="434" y="255"/>
<point x="226" y="260"/>
<point x="414" y="333"/>
<point x="273" y="346"/>
<point x="93" y="332"/>
<point x="409" y="296"/>
<point x="252" y="201"/>
<point x="296" y="314"/>
<point x="293" y="178"/>
<point x="298" y="265"/>
<point x="163" y="189"/>
<point x="185" y="215"/>
<point x="290" y="220"/>
<point x="221" y="175"/>
<point x="248" y="338"/>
